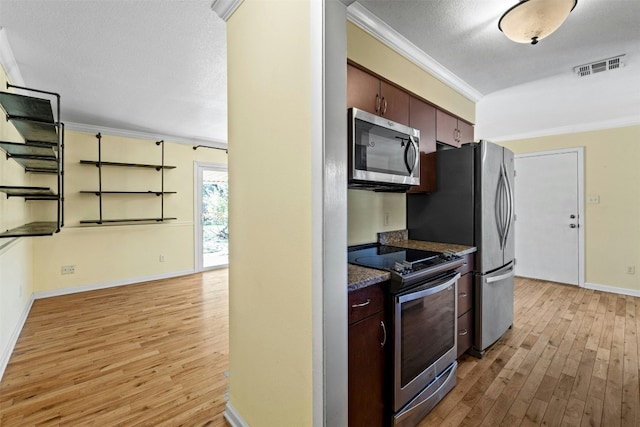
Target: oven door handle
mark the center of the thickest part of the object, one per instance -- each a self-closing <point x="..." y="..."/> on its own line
<point x="429" y="288"/>
<point x="444" y="383"/>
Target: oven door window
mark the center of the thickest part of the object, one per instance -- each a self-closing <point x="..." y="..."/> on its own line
<point x="382" y="150"/>
<point x="427" y="331"/>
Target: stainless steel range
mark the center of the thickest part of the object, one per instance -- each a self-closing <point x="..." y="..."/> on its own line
<point x="424" y="324"/>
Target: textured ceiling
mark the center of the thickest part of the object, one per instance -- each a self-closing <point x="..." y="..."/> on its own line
<point x="153" y="66"/>
<point x="463" y="36"/>
<point x="159" y="66"/>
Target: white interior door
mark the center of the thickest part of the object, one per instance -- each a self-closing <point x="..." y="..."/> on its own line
<point x="549" y="211"/>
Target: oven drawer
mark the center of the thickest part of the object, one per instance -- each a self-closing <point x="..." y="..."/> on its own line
<point x="365" y="302"/>
<point x="465" y="293"/>
<point x="465" y="332"/>
<point x="468" y="263"/>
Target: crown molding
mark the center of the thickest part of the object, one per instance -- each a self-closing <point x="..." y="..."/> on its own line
<point x="379" y="29"/>
<point x="621" y="122"/>
<point x="225" y="8"/>
<point x="8" y="61"/>
<point x="80" y="127"/>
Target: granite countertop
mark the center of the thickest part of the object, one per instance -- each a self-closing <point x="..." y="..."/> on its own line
<point x="434" y="246"/>
<point x="361" y="277"/>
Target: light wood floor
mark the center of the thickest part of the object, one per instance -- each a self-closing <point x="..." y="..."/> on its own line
<point x="148" y="354"/>
<point x="155" y="354"/>
<point x="571" y="359"/>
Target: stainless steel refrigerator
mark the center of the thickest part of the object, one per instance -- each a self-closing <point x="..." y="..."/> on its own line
<point x="473" y="205"/>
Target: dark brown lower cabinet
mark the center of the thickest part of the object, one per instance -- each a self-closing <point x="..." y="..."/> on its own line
<point x="465" y="305"/>
<point x="367" y="348"/>
<point x="366" y="372"/>
<point x="465" y="332"/>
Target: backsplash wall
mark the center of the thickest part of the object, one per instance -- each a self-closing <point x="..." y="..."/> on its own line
<point x="370" y="213"/>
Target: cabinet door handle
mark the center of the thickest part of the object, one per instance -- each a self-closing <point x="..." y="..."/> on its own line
<point x="462" y="294"/>
<point x="367" y="302"/>
<point x="384" y="334"/>
<point x="463" y="332"/>
<point x="377" y="103"/>
<point x="384" y="102"/>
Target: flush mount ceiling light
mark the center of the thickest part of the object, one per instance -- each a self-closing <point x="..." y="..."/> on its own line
<point x="532" y="20"/>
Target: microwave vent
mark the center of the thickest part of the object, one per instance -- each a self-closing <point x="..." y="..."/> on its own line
<point x="599" y="66"/>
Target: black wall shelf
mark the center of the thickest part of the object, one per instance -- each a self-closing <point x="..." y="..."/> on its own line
<point x="41" y="152"/>
<point x="107" y="221"/>
<point x="32" y="193"/>
<point x="156" y="193"/>
<point x="100" y="192"/>
<point x="128" y="165"/>
<point x="34" y="158"/>
<point x="32" y="229"/>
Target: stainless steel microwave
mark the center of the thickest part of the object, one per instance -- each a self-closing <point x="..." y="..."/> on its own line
<point x="383" y="155"/>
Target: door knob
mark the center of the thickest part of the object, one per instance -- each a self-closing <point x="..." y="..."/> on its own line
<point x="572" y="225"/>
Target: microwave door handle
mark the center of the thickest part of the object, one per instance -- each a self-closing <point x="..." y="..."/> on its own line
<point x="413" y="144"/>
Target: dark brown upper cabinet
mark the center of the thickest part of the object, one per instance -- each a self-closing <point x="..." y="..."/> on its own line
<point x="369" y="93"/>
<point x="422" y="116"/>
<point x="451" y="130"/>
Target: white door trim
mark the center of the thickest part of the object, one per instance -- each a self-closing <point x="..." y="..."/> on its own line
<point x="199" y="167"/>
<point x="582" y="223"/>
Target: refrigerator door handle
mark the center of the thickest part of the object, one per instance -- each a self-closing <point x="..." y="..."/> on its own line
<point x="500" y="277"/>
<point x="509" y="195"/>
<point x="498" y="208"/>
<point x="502" y="207"/>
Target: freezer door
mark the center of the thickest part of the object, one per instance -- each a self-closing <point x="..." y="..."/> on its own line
<point x="489" y="221"/>
<point x="494" y="307"/>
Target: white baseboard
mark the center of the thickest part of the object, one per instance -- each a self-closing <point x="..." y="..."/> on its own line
<point x="105" y="285"/>
<point x="232" y="416"/>
<point x="612" y="289"/>
<point x="6" y="355"/>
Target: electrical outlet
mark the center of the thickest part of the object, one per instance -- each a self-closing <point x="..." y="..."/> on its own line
<point x="386" y="219"/>
<point x="161" y="258"/>
<point x="68" y="269"/>
<point x="631" y="269"/>
<point x="593" y="199"/>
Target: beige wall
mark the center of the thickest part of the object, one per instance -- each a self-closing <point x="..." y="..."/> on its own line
<point x="16" y="255"/>
<point x="119" y="253"/>
<point x="612" y="227"/>
<point x="103" y="255"/>
<point x="367" y="210"/>
<point x="14" y="211"/>
<point x="369" y="52"/>
<point x="270" y="275"/>
<point x="370" y="213"/>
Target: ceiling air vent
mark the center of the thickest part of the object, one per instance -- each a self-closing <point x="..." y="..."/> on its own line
<point x="599" y="66"/>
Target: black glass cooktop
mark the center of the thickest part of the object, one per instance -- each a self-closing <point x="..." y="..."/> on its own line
<point x="408" y="267"/>
<point x="385" y="257"/>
